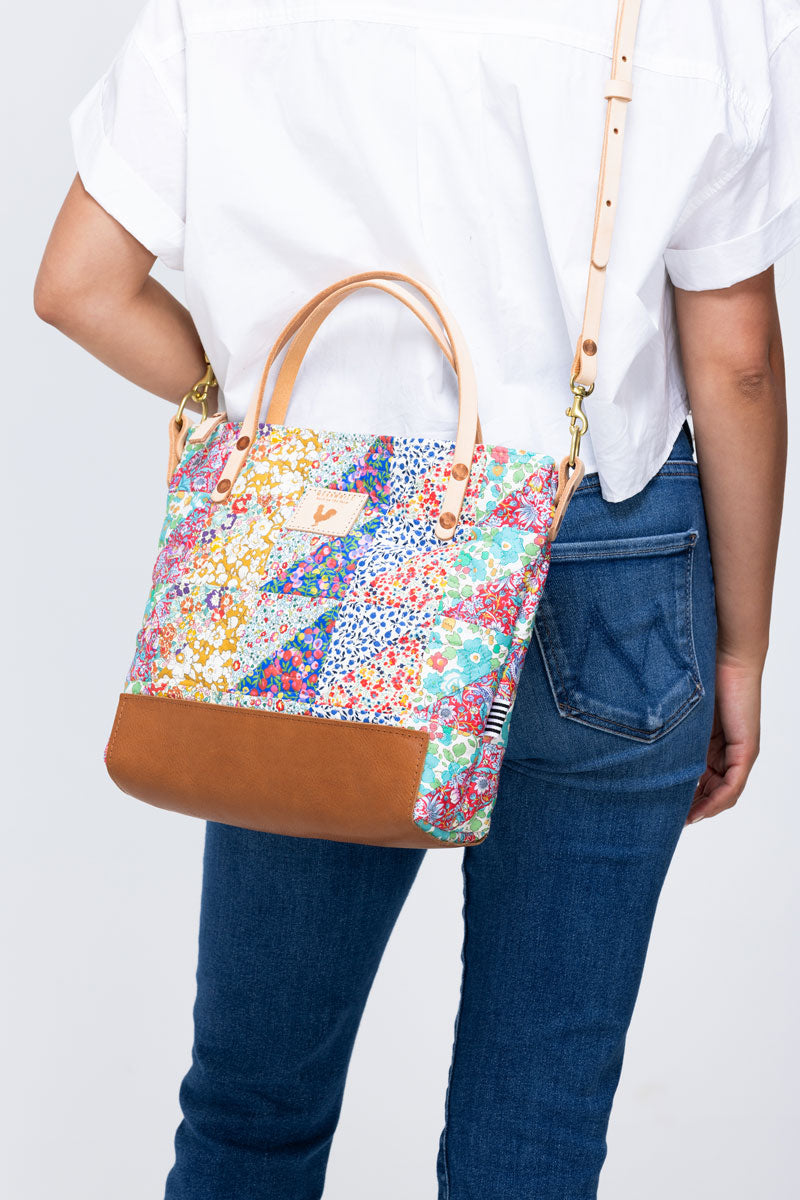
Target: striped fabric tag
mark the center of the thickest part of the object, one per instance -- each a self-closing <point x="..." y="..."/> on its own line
<point x="496" y="719"/>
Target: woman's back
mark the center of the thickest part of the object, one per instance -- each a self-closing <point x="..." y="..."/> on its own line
<point x="269" y="147"/>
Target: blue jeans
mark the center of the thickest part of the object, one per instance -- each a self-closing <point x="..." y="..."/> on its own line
<point x="608" y="739"/>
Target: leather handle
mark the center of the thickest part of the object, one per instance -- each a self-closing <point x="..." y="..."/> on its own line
<point x="618" y="92"/>
<point x="304" y="323"/>
<point x="293" y="360"/>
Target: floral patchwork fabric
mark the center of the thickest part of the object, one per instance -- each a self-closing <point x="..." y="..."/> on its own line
<point x="384" y="625"/>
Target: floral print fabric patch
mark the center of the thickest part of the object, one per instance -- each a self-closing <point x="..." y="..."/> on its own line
<point x="384" y="625"/>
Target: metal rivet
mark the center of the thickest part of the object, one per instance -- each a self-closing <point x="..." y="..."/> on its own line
<point x="224" y="485"/>
<point x="460" y="471"/>
<point x="243" y="443"/>
<point x="589" y="347"/>
<point x="447" y="520"/>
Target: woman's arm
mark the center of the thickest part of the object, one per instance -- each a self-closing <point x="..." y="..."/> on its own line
<point x="733" y="362"/>
<point x="94" y="285"/>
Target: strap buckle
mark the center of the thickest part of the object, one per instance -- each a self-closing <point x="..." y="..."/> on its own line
<point x="198" y="393"/>
<point x="578" y="421"/>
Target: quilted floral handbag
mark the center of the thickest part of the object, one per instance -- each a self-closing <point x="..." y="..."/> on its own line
<point x="337" y="621"/>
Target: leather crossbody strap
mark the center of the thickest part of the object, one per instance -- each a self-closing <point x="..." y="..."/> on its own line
<point x="619" y="92"/>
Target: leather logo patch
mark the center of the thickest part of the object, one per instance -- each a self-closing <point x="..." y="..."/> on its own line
<point x="326" y="511"/>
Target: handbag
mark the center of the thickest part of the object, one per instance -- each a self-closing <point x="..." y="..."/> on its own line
<point x="337" y="621"/>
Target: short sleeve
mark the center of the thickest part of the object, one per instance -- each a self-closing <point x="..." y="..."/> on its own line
<point x="751" y="218"/>
<point x="129" y="133"/>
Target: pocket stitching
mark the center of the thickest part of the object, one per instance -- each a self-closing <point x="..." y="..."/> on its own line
<point x="657" y="544"/>
<point x="695" y="666"/>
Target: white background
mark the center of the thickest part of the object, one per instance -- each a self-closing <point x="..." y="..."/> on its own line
<point x="100" y="894"/>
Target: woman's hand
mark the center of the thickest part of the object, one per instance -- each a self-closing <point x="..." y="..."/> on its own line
<point x="735" y="739"/>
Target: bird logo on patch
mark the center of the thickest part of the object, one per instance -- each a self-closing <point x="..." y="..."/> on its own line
<point x="323" y="514"/>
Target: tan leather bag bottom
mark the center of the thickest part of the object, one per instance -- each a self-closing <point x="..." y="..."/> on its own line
<point x="303" y="776"/>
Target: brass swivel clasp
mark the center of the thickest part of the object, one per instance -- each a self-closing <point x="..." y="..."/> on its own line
<point x="578" y="421"/>
<point x="198" y="393"/>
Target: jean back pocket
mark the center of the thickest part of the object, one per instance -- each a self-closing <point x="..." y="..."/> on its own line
<point x="614" y="627"/>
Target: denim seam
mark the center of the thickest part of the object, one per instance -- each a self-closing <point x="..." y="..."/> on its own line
<point x="445" y="1161"/>
<point x="631" y="731"/>
<point x="690" y="618"/>
<point x="542" y="637"/>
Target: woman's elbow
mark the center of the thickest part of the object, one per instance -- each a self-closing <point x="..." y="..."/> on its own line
<point x="53" y="298"/>
<point x="67" y="295"/>
<point x="754" y="382"/>
<point x="90" y="264"/>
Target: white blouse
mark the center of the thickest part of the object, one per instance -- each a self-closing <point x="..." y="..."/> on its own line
<point x="269" y="147"/>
